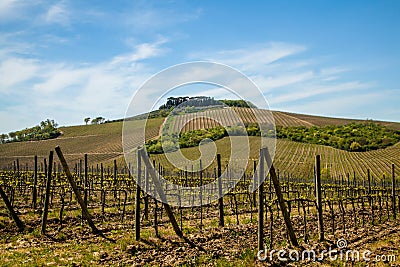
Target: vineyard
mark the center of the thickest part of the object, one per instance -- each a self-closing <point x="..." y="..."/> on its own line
<point x="102" y="142"/>
<point x="133" y="226"/>
<point x="82" y="206"/>
<point x="231" y="116"/>
<point x="296" y="159"/>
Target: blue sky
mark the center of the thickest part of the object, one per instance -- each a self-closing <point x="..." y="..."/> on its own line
<point x="67" y="60"/>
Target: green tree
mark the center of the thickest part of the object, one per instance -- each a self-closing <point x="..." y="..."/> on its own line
<point x="86" y="120"/>
<point x="98" y="120"/>
<point x="45" y="130"/>
<point x="3" y="138"/>
<point x="12" y="135"/>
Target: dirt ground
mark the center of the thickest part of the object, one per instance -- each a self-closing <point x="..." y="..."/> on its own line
<point x="233" y="245"/>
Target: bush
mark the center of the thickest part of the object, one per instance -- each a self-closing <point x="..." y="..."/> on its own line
<point x="351" y="137"/>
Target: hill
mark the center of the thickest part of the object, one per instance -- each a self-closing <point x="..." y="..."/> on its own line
<point x="102" y="143"/>
<point x="322" y="121"/>
<point x="286" y="119"/>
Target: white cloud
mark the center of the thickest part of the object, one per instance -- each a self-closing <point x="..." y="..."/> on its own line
<point x="12" y="10"/>
<point x="349" y="106"/>
<point x="141" y="51"/>
<point x="146" y="16"/>
<point x="68" y="92"/>
<point x="334" y="71"/>
<point x="286" y="76"/>
<point x="56" y="78"/>
<point x="15" y="71"/>
<point x="311" y="91"/>
<point x="252" y="59"/>
<point x="6" y="6"/>
<point x="287" y="80"/>
<point x="268" y="83"/>
<point x="58" y="13"/>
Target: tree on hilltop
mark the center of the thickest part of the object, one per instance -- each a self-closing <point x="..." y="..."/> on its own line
<point x="3" y="138"/>
<point x="98" y="120"/>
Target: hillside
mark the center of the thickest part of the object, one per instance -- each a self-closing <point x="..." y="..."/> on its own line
<point x="229" y="117"/>
<point x="297" y="159"/>
<point x="322" y="121"/>
<point x="103" y="144"/>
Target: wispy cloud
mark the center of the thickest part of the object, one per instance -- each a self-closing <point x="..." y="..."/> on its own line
<point x="141" y="51"/>
<point x="286" y="76"/>
<point x="350" y="106"/>
<point x="58" y="14"/>
<point x="10" y="8"/>
<point x="17" y="10"/>
<point x="144" y="15"/>
<point x="299" y="93"/>
<point x="16" y="71"/>
<point x="66" y="91"/>
<point x="268" y="83"/>
<point x="252" y="58"/>
<point x="6" y="6"/>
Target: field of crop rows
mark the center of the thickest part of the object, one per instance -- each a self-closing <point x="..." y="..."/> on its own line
<point x="295" y="160"/>
<point x="231" y="116"/>
<point x="112" y="198"/>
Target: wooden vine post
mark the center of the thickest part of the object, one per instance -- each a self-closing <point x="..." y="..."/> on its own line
<point x="369" y="181"/>
<point x="393" y="192"/>
<point x="146" y="196"/>
<point x="221" y="198"/>
<point x="279" y="195"/>
<point x="10" y="208"/>
<point x="115" y="174"/>
<point x="78" y="195"/>
<point x="254" y="191"/>
<point x="47" y="195"/>
<point x="318" y="196"/>
<point x="85" y="181"/>
<point x="160" y="192"/>
<point x="137" y="204"/>
<point x="103" y="193"/>
<point x="261" y="202"/>
<point x="35" y="178"/>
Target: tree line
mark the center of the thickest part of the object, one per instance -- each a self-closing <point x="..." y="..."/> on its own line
<point x="98" y="120"/>
<point x="203" y="101"/>
<point x="45" y="130"/>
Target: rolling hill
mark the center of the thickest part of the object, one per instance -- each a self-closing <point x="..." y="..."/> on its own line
<point x="102" y="143"/>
